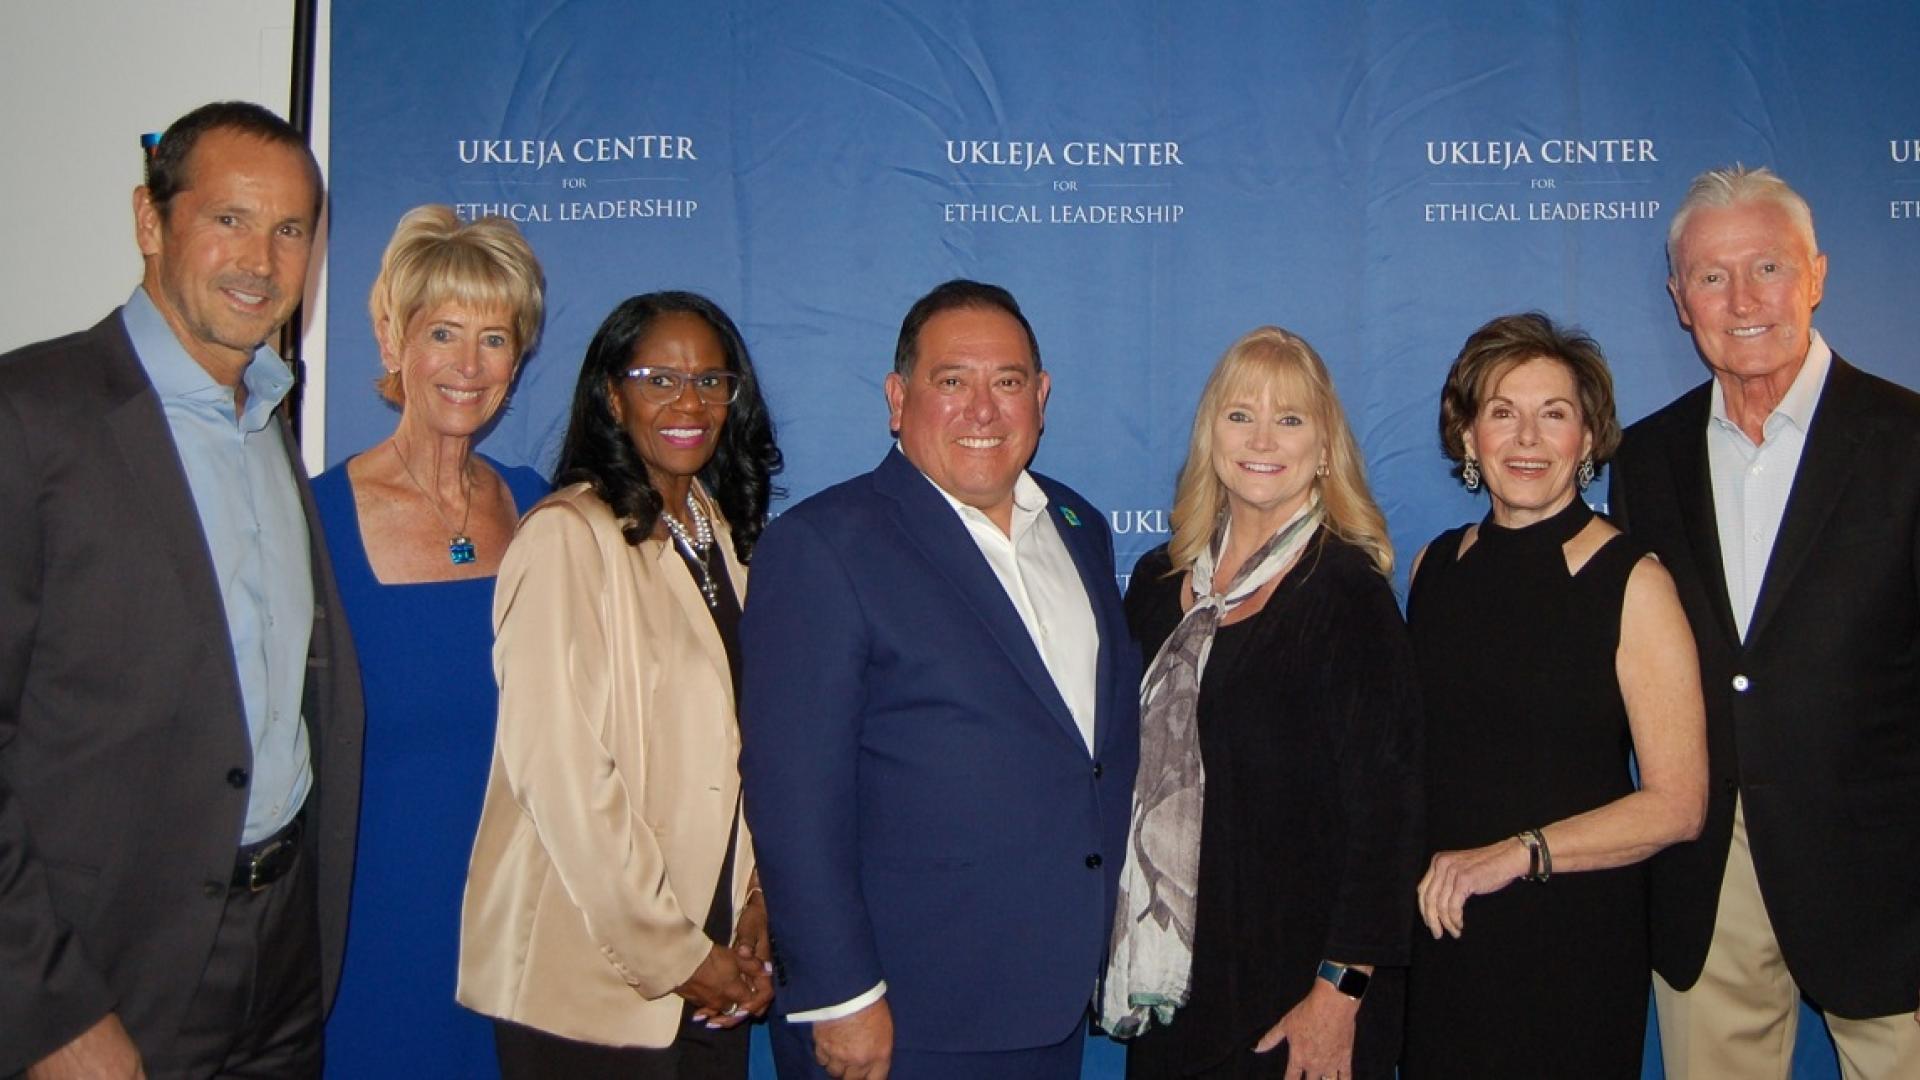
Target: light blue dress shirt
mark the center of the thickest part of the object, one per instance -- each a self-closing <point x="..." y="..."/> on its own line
<point x="249" y="505"/>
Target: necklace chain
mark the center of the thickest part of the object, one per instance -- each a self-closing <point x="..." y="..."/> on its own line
<point x="459" y="547"/>
<point x="696" y="545"/>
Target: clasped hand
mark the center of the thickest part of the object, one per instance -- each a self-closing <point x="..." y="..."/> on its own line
<point x="733" y="984"/>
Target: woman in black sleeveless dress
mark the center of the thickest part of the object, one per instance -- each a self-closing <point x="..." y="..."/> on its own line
<point x="1551" y="647"/>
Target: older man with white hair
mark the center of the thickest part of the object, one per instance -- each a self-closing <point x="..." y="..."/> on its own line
<point x="1784" y="496"/>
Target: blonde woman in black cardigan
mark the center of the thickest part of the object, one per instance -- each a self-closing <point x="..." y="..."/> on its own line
<point x="1267" y="903"/>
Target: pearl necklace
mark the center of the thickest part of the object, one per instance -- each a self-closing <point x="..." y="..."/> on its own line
<point x="696" y="546"/>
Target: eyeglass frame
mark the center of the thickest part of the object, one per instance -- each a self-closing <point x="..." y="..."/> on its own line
<point x="681" y="380"/>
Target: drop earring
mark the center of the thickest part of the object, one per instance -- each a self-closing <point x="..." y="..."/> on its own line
<point x="1470" y="474"/>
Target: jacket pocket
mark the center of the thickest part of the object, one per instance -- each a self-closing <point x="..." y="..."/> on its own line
<point x="73" y="887"/>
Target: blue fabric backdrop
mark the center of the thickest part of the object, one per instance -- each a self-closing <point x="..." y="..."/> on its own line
<point x="1150" y="179"/>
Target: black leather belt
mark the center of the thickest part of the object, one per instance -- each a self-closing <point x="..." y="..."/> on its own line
<point x="263" y="862"/>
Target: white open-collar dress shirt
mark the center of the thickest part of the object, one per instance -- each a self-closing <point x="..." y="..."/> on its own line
<point x="1751" y="483"/>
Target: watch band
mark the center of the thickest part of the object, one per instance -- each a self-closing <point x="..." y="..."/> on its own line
<point x="1348" y="980"/>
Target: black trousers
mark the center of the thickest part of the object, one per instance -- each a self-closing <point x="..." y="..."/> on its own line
<point x="696" y="1054"/>
<point x="256" y="1011"/>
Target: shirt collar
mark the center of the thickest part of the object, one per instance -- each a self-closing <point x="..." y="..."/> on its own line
<point x="177" y="376"/>
<point x="1797" y="405"/>
<point x="1029" y="502"/>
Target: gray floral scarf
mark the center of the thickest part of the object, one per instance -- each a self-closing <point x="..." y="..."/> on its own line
<point x="1150" y="959"/>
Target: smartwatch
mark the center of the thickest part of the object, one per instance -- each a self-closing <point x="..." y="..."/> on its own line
<point x="1348" y="980"/>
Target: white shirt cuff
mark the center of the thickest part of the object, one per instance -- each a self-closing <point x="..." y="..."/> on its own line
<point x="845" y="1008"/>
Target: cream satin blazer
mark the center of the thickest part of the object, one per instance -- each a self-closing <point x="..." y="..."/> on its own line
<point x="615" y="781"/>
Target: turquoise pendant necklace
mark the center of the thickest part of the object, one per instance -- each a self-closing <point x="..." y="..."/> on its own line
<point x="459" y="548"/>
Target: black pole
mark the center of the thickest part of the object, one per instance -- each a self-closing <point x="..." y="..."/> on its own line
<point x="300" y="115"/>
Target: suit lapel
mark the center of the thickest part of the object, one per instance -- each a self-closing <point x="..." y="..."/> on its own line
<point x="693" y="606"/>
<point x="1832" y="444"/>
<point x="1693" y="491"/>
<point x="316" y="695"/>
<point x="723" y="536"/>
<point x="686" y="592"/>
<point x="158" y="483"/>
<point x="931" y="524"/>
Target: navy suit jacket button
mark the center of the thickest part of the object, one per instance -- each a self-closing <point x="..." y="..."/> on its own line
<point x="1093" y="861"/>
<point x="237" y="778"/>
<point x="1099" y="770"/>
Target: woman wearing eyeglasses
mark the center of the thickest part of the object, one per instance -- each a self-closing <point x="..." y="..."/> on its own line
<point x="612" y="924"/>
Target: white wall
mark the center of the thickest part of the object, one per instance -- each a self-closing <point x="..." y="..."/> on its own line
<point x="82" y="79"/>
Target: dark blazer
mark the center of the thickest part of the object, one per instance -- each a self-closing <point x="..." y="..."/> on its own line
<point x="123" y="745"/>
<point x="1815" y="720"/>
<point x="1313" y="833"/>
<point x="923" y="806"/>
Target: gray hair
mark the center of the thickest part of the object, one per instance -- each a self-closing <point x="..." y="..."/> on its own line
<point x="1734" y="186"/>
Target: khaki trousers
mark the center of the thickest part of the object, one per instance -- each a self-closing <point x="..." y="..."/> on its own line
<point x="1739" y="1019"/>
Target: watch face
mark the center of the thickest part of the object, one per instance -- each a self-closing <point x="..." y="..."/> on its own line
<point x="1353" y="983"/>
<point x="1349" y="981"/>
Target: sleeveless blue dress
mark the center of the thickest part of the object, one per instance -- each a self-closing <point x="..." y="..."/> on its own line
<point x="426" y="663"/>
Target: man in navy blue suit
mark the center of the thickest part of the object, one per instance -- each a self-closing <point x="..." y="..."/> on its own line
<point x="940" y="727"/>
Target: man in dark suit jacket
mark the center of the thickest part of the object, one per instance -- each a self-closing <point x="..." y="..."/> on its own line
<point x="180" y="708"/>
<point x="1784" y="496"/>
<point x="940" y="729"/>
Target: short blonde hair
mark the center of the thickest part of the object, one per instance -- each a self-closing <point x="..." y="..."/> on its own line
<point x="434" y="258"/>
<point x="1273" y="361"/>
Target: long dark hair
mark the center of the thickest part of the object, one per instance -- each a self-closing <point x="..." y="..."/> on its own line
<point x="597" y="451"/>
